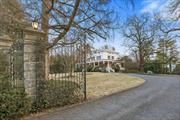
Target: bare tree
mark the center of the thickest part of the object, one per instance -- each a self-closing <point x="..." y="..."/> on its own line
<point x="174" y="8"/>
<point x="9" y="13"/>
<point x="66" y="20"/>
<point x="167" y="27"/>
<point x="139" y="33"/>
<point x="11" y="17"/>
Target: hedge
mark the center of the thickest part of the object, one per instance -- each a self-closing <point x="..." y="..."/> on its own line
<point x="13" y="103"/>
<point x="54" y="93"/>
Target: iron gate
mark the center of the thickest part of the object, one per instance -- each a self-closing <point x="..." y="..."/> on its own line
<point x="12" y="75"/>
<point x="16" y="64"/>
<point x="66" y="82"/>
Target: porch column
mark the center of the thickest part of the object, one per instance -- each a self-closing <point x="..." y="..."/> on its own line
<point x="108" y="64"/>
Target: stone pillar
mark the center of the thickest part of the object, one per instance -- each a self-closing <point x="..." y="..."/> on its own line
<point x="33" y="61"/>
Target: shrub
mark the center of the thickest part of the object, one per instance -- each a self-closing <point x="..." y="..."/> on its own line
<point x="78" y="68"/>
<point x="52" y="93"/>
<point x="3" y="62"/>
<point x="153" y="66"/>
<point x="4" y="82"/>
<point x="102" y="69"/>
<point x="89" y="69"/>
<point x="59" y="93"/>
<point x="149" y="72"/>
<point x="177" y="69"/>
<point x="96" y="69"/>
<point x="13" y="103"/>
<point x="116" y="68"/>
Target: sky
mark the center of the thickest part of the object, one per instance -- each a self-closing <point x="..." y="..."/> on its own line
<point x="140" y="6"/>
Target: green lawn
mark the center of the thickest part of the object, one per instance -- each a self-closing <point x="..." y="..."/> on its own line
<point x="101" y="84"/>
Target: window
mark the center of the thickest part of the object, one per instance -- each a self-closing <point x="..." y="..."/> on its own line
<point x="109" y="58"/>
<point x="122" y="65"/>
<point x="98" y="57"/>
<point x="92" y="58"/>
<point x="113" y="57"/>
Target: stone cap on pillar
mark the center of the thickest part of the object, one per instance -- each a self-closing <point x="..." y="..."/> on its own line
<point x="31" y="34"/>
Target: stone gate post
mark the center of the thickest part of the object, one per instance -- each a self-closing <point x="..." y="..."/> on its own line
<point x="33" y="61"/>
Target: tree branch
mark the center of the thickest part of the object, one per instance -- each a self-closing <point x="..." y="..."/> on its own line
<point x="71" y="19"/>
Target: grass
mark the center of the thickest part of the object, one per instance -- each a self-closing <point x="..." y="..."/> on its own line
<point x="102" y="84"/>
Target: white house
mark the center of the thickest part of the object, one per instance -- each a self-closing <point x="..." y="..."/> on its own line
<point x="104" y="57"/>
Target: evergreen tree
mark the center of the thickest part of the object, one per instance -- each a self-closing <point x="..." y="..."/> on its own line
<point x="167" y="54"/>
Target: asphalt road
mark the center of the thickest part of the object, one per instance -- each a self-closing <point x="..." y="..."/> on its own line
<point x="157" y="99"/>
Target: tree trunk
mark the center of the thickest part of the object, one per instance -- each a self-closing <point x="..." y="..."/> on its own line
<point x="141" y="61"/>
<point x="44" y="25"/>
<point x="170" y="66"/>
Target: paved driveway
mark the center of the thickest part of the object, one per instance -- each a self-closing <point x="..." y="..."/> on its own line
<point x="157" y="99"/>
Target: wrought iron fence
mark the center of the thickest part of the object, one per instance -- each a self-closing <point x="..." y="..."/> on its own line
<point x="4" y="68"/>
<point x="16" y="64"/>
<point x="66" y="79"/>
<point x="11" y="64"/>
<point x="66" y="82"/>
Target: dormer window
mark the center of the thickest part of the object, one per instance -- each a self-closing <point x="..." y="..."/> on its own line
<point x="106" y="47"/>
<point x="113" y="49"/>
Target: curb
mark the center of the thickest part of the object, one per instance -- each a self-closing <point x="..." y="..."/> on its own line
<point x="168" y="75"/>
